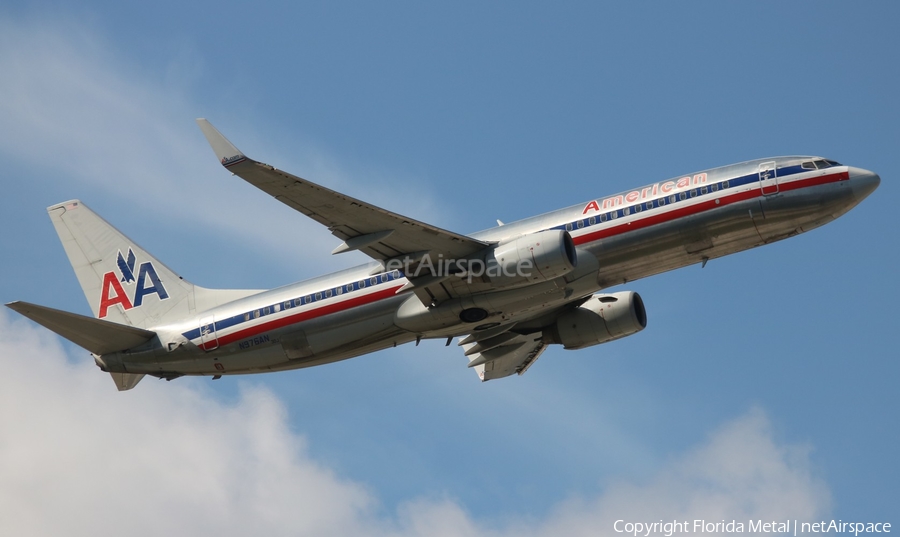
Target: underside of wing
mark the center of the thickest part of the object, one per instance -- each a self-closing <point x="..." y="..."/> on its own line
<point x="504" y="354"/>
<point x="378" y="233"/>
<point x="511" y="348"/>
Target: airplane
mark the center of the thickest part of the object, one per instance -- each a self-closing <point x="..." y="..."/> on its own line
<point x="506" y="293"/>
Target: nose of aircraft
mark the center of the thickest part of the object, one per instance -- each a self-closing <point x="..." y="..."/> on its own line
<point x="863" y="182"/>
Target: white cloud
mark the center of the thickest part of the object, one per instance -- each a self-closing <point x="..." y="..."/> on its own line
<point x="79" y="458"/>
<point x="739" y="473"/>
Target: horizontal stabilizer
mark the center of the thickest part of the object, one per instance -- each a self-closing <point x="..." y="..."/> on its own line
<point x="95" y="335"/>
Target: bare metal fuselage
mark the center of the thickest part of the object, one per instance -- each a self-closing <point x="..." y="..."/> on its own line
<point x="619" y="239"/>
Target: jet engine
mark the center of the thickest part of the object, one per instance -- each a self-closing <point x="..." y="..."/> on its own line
<point x="532" y="258"/>
<point x="601" y="319"/>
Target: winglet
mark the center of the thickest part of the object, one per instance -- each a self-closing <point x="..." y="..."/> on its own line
<point x="126" y="381"/>
<point x="226" y="152"/>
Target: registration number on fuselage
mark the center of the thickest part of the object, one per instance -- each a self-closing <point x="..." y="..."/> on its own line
<point x="252" y="342"/>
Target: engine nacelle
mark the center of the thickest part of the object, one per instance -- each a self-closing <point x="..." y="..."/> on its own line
<point x="601" y="319"/>
<point x="533" y="258"/>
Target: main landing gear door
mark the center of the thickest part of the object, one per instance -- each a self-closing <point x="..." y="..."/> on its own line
<point x="208" y="338"/>
<point x="768" y="178"/>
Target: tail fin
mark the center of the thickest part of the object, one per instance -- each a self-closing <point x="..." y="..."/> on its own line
<point x="121" y="281"/>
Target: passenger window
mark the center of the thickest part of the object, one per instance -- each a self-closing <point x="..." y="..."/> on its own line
<point x="268" y="310"/>
<point x="340" y="290"/>
<point x="714" y="187"/>
<point x="693" y="192"/>
<point x="308" y="299"/>
<point x="373" y="281"/>
<point x="277" y="308"/>
<point x="247" y="316"/>
<point x="626" y="211"/>
<point x="256" y="314"/>
<point x="603" y="217"/>
<point x="568" y="227"/>
<point x="592" y="220"/>
<point x="362" y="283"/>
<point x="319" y="296"/>
<point x="682" y="196"/>
<point x="580" y="224"/>
<point x="328" y="293"/>
<point x="672" y="198"/>
<point x="298" y="302"/>
<point x="661" y="201"/>
<point x="724" y="184"/>
<point x="638" y="208"/>
<point x="704" y="190"/>
<point x="649" y="205"/>
<point x="613" y="215"/>
<point x="396" y="274"/>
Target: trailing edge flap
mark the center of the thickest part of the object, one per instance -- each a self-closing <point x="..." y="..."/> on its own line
<point x="95" y="335"/>
<point x="487" y="333"/>
<point x="512" y="356"/>
<point x="380" y="234"/>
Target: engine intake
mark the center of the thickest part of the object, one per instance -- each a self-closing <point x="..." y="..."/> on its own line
<point x="601" y="319"/>
<point x="533" y="258"/>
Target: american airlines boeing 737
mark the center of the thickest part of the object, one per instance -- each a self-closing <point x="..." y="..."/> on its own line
<point x="506" y="293"/>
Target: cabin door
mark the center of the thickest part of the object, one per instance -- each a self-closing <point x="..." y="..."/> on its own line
<point x="208" y="338"/>
<point x="768" y="178"/>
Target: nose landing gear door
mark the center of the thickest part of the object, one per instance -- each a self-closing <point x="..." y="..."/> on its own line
<point x="768" y="178"/>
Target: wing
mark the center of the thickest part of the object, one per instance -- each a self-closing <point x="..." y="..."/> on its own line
<point x="512" y="347"/>
<point x="376" y="232"/>
<point x="504" y="354"/>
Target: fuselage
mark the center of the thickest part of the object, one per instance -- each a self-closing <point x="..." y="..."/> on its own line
<point x="660" y="227"/>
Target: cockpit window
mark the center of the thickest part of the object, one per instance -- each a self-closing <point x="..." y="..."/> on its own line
<point x="822" y="164"/>
<point x="808" y="165"/>
<point x="833" y="163"/>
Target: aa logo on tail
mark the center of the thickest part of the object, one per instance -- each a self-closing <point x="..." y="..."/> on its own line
<point x="112" y="292"/>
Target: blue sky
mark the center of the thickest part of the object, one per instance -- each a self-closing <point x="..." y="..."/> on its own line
<point x="778" y="361"/>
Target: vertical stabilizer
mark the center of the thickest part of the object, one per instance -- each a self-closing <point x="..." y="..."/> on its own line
<point x="121" y="281"/>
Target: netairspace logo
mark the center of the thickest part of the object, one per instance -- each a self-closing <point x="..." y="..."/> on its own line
<point x="471" y="269"/>
<point x="786" y="527"/>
